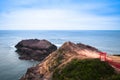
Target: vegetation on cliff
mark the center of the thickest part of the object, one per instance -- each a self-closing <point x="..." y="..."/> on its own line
<point x="88" y="69"/>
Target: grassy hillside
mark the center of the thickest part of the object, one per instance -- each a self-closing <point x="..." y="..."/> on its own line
<point x="92" y="69"/>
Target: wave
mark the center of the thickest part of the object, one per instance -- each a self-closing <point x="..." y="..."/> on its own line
<point x="12" y="46"/>
<point x="58" y="45"/>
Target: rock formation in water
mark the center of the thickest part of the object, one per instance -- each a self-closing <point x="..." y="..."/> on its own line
<point x="34" y="49"/>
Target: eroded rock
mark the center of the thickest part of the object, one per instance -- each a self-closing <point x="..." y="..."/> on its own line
<point x="34" y="49"/>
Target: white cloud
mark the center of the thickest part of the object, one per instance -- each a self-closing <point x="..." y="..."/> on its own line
<point x="51" y="14"/>
<point x="55" y="19"/>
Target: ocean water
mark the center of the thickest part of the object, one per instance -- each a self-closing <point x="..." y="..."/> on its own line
<point x="11" y="68"/>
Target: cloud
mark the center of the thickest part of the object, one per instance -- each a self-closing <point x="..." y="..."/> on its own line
<point x="59" y="15"/>
<point x="55" y="19"/>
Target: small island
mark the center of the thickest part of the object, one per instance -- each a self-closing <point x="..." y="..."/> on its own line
<point x="34" y="49"/>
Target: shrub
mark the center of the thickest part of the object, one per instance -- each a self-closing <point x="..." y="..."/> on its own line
<point x="92" y="69"/>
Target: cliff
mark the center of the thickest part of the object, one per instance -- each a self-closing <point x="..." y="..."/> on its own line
<point x="59" y="59"/>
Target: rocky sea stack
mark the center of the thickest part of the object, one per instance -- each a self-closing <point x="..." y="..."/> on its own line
<point x="34" y="49"/>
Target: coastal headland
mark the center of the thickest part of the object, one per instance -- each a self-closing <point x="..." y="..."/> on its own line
<point x="71" y="61"/>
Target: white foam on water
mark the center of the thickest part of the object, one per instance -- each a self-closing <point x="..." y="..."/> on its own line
<point x="58" y="45"/>
<point x="12" y="46"/>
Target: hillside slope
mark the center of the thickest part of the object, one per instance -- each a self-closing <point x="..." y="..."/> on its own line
<point x="59" y="59"/>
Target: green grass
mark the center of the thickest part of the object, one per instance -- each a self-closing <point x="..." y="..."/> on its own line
<point x="92" y="69"/>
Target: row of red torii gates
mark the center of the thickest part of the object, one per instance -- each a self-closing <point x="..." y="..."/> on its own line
<point x="111" y="62"/>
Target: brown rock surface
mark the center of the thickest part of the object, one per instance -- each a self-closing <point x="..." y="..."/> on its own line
<point x="58" y="59"/>
<point x="34" y="49"/>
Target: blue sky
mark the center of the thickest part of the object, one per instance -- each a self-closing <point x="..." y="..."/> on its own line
<point x="60" y="14"/>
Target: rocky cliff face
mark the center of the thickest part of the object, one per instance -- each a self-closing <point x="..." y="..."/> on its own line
<point x="58" y="59"/>
<point x="34" y="49"/>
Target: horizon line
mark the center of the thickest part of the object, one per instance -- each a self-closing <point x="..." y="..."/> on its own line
<point x="60" y="29"/>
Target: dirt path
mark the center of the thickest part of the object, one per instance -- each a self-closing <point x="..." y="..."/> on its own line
<point x="115" y="58"/>
<point x="114" y="61"/>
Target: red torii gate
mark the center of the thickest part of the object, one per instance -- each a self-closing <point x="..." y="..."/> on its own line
<point x="111" y="62"/>
<point x="102" y="56"/>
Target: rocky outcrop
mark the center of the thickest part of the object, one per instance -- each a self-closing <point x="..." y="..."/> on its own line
<point x="34" y="49"/>
<point x="58" y="59"/>
<point x="83" y="46"/>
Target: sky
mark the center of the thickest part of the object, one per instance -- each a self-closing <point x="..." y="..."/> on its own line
<point x="59" y="14"/>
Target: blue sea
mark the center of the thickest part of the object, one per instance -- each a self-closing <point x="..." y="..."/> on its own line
<point x="11" y="68"/>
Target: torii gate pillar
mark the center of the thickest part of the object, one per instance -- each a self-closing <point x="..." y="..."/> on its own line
<point x="102" y="56"/>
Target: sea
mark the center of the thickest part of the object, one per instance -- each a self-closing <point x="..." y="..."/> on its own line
<point x="12" y="68"/>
